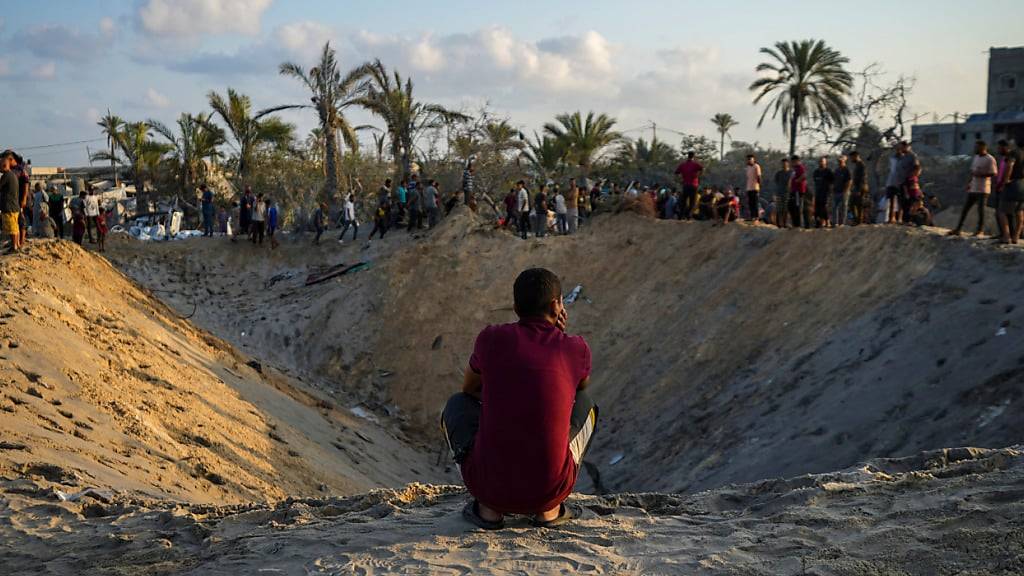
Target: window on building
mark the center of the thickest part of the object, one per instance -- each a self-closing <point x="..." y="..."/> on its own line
<point x="1008" y="82"/>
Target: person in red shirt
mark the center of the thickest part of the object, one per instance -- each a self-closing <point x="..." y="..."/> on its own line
<point x="798" y="193"/>
<point x="523" y="421"/>
<point x="689" y="173"/>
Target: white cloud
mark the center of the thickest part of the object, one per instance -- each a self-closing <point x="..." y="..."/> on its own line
<point x="93" y="115"/>
<point x="107" y="26"/>
<point x="45" y="71"/>
<point x="197" y="17"/>
<point x="156" y="99"/>
<point x="59" y="42"/>
<point x="303" y="40"/>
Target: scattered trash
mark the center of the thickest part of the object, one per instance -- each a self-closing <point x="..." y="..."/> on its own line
<point x="574" y="294"/>
<point x="361" y="413"/>
<point x="278" y="278"/>
<point x="385" y="373"/>
<point x="616" y="459"/>
<point x="335" y="271"/>
<point x="90" y="492"/>
<point x="255" y="366"/>
<point x="1001" y="332"/>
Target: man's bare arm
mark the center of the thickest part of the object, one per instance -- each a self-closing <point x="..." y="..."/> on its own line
<point x="472" y="384"/>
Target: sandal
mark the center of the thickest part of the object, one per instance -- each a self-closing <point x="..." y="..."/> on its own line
<point x="471" y="512"/>
<point x="566" y="514"/>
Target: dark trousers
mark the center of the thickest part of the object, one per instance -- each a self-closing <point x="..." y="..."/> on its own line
<point x="355" y="229"/>
<point x="689" y="201"/>
<point x="753" y="205"/>
<point x="415" y="219"/>
<point x="972" y="200"/>
<point x="808" y="210"/>
<point x="794" y="209"/>
<point x="524" y="224"/>
<point x="379" y="225"/>
<point x="259" y="227"/>
<point x="461" y="420"/>
<point x="90" y="224"/>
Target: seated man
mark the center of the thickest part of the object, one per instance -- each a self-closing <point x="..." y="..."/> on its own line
<point x="522" y="423"/>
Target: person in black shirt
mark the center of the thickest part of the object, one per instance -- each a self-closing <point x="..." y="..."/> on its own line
<point x="540" y="216"/>
<point x="841" y="193"/>
<point x="10" y="199"/>
<point x="824" y="179"/>
<point x="859" y="192"/>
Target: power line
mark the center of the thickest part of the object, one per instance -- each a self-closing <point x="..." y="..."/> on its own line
<point x="41" y="146"/>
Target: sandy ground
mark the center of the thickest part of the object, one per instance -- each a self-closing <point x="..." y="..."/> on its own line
<point x="720" y="354"/>
<point x="946" y="512"/>
<point x="103" y="385"/>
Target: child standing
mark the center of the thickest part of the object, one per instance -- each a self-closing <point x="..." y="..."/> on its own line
<point x="272" y="222"/>
<point x="101" y="230"/>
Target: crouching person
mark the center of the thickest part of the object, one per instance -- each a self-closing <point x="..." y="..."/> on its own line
<point x="523" y="421"/>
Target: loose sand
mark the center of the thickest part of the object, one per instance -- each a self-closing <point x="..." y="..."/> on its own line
<point x="235" y="441"/>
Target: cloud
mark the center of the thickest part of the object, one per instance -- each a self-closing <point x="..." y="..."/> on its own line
<point x="197" y="17"/>
<point x="155" y="99"/>
<point x="59" y="42"/>
<point x="45" y="71"/>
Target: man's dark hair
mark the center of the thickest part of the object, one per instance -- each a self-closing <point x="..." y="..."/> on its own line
<point x="534" y="290"/>
<point x="7" y="154"/>
<point x="749" y="156"/>
<point x="1003" y="143"/>
<point x="794" y="157"/>
<point x="854" y="154"/>
<point x="690" y="155"/>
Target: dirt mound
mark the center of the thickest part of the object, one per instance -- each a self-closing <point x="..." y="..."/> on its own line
<point x="933" y="513"/>
<point x="721" y="354"/>
<point x="103" y="386"/>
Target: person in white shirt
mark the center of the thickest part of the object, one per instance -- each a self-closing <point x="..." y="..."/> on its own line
<point x="92" y="212"/>
<point x="753" y="171"/>
<point x="561" y="223"/>
<point x="523" y="207"/>
<point x="259" y="219"/>
<point x="348" y="218"/>
<point x="983" y="169"/>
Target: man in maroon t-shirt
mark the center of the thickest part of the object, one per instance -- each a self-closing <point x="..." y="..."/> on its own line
<point x="798" y="193"/>
<point x="522" y="423"/>
<point x="689" y="173"/>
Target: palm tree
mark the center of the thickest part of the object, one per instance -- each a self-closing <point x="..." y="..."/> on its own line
<point x="502" y="136"/>
<point x="136" y="149"/>
<point x="390" y="97"/>
<point x="585" y="139"/>
<point x="197" y="141"/>
<point x="545" y="153"/>
<point x="250" y="131"/>
<point x="723" y="123"/>
<point x="808" y="81"/>
<point x="332" y="93"/>
<point x="112" y="130"/>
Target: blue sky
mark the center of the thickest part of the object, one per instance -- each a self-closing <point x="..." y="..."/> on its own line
<point x="63" y="63"/>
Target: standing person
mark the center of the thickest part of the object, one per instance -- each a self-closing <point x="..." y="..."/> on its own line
<point x="92" y="211"/>
<point x="983" y="169"/>
<point x="572" y="210"/>
<point x="824" y="179"/>
<point x="245" y="213"/>
<point x="510" y="208"/>
<point x="348" y="219"/>
<point x="1010" y="191"/>
<point x="582" y="203"/>
<point x="689" y="172"/>
<point x="46" y="228"/>
<point x="385" y="191"/>
<point x="78" y="218"/>
<point x="561" y="224"/>
<point x="431" y="200"/>
<point x="753" y="171"/>
<point x="798" y="194"/>
<point x="101" y="230"/>
<point x="521" y="426"/>
<point x="468" y="191"/>
<point x="414" y="204"/>
<point x="860" y="194"/>
<point x="272" y="223"/>
<point x="319" y="221"/>
<point x="782" y="186"/>
<point x="56" y="204"/>
<point x="398" y="208"/>
<point x="909" y="166"/>
<point x="381" y="219"/>
<point x="206" y="202"/>
<point x="259" y="219"/>
<point x="841" y="193"/>
<point x="9" y="200"/>
<point x="38" y="201"/>
<point x="540" y="212"/>
<point x="24" y="194"/>
<point x="893" y="184"/>
<point x="523" y="208"/>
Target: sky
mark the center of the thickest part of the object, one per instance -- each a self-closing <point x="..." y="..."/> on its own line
<point x="64" y="63"/>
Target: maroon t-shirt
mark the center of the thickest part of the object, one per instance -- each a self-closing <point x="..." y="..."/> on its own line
<point x="689" y="171"/>
<point x="520" y="462"/>
<point x="799" y="179"/>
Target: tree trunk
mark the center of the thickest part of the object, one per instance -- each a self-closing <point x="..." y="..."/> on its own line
<point x="331" y="161"/>
<point x="113" y="164"/>
<point x="794" y="122"/>
<point x="721" y="148"/>
<point x="141" y="197"/>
